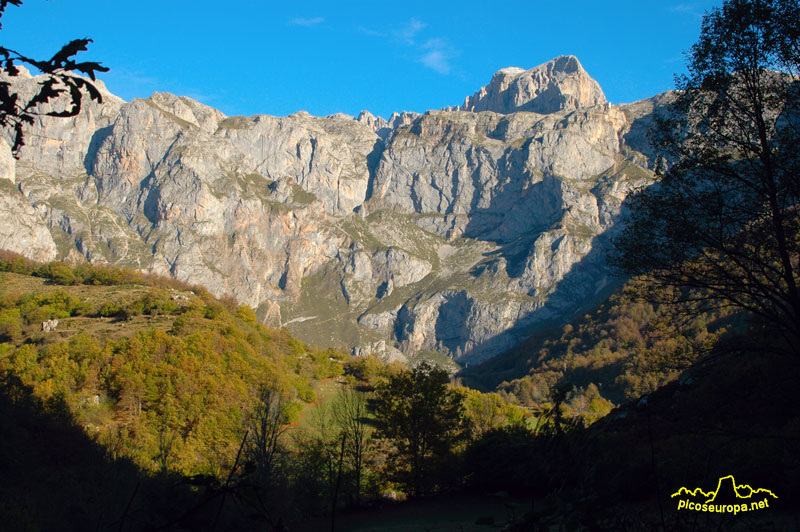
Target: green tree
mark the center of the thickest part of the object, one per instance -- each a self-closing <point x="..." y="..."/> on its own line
<point x="423" y="418"/>
<point x="722" y="223"/>
<point x="488" y="411"/>
<point x="59" y="273"/>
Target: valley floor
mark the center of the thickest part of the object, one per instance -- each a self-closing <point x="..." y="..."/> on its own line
<point x="447" y="513"/>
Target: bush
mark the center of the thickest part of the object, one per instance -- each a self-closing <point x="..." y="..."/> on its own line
<point x="59" y="273"/>
<point x="214" y="309"/>
<point x="16" y="263"/>
<point x="365" y="369"/>
<point x="110" y="309"/>
<point x="246" y="313"/>
<point x="10" y="325"/>
<point x="57" y="305"/>
<point x="304" y="391"/>
<point x="107" y="276"/>
<point x="157" y="302"/>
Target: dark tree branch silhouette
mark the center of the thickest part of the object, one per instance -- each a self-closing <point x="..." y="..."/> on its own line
<point x="722" y="224"/>
<point x="61" y="82"/>
<point x="351" y="415"/>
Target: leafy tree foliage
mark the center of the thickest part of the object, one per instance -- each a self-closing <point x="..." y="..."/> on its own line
<point x="724" y="219"/>
<point x="423" y="418"/>
<point x="488" y="411"/>
<point x="616" y="353"/>
<point x="171" y="398"/>
<point x="60" y="79"/>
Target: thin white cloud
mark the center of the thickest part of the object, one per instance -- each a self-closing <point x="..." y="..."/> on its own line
<point x="408" y="31"/>
<point x="370" y="32"/>
<point x="694" y="10"/>
<point x="437" y="55"/>
<point x="436" y="60"/>
<point x="135" y="77"/>
<point x="306" y="21"/>
<point x="201" y="97"/>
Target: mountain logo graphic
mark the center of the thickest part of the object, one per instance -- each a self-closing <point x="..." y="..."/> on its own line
<point x="729" y="497"/>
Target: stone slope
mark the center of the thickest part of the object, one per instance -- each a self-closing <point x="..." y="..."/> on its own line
<point x="453" y="231"/>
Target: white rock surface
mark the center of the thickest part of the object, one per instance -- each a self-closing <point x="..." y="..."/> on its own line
<point x="459" y="231"/>
<point x="558" y="85"/>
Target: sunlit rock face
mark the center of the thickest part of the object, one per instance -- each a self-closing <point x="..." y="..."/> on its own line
<point x="459" y="231"/>
<point x="558" y="85"/>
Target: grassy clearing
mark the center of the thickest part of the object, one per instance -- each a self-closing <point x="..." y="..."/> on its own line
<point x="325" y="391"/>
<point x="112" y="328"/>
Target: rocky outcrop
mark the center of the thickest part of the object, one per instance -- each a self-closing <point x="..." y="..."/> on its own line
<point x="379" y="273"/>
<point x="376" y="123"/>
<point x="457" y="231"/>
<point x="59" y="146"/>
<point x="558" y="85"/>
<point x="494" y="175"/>
<point x="327" y="157"/>
<point x="22" y="229"/>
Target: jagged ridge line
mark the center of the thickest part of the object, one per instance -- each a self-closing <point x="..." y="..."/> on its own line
<point x="693" y="492"/>
<point x="709" y="494"/>
<point x="737" y="488"/>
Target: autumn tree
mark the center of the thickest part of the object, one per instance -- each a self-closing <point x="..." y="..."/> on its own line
<point x="423" y="418"/>
<point x="721" y="226"/>
<point x="488" y="411"/>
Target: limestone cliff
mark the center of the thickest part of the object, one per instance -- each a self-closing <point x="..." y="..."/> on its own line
<point x="558" y="85"/>
<point x="456" y="231"/>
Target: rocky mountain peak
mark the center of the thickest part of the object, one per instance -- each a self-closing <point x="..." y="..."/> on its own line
<point x="558" y="85"/>
<point x="452" y="232"/>
<point x="378" y="124"/>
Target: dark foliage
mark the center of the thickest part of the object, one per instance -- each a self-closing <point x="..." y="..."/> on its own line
<point x="56" y="478"/>
<point x="61" y="82"/>
<point x="724" y="218"/>
<point x="423" y="419"/>
<point x="623" y="349"/>
<point x="503" y="459"/>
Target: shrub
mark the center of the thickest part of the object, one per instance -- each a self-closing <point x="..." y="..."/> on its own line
<point x="15" y="263"/>
<point x="110" y="309"/>
<point x="58" y="272"/>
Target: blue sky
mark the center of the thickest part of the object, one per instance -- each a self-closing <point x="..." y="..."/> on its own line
<point x="245" y="57"/>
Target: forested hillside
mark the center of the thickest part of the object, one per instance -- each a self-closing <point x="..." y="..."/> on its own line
<point x="623" y="349"/>
<point x="159" y="387"/>
<point x="159" y="372"/>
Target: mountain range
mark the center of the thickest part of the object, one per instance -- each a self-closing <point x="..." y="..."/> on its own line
<point x="456" y="232"/>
